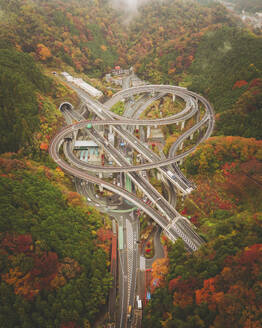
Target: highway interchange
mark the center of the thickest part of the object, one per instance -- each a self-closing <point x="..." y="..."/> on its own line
<point x="160" y="209"/>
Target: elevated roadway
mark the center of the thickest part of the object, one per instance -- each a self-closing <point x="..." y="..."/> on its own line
<point x="174" y="225"/>
<point x="161" y="211"/>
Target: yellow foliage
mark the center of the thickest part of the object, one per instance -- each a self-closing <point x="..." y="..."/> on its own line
<point x="169" y="318"/>
<point x="59" y="172"/>
<point x="12" y="276"/>
<point x="103" y="47"/>
<point x="160" y="268"/>
<point x="43" y="52"/>
<point x="87" y="324"/>
<point x="58" y="281"/>
<point x="171" y="71"/>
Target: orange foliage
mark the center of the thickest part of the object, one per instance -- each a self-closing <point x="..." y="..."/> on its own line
<point x="43" y="52"/>
<point x="74" y="198"/>
<point x="103" y="47"/>
<point x="159" y="272"/>
<point x="204" y="295"/>
<point x="44" y="146"/>
<point x="46" y="272"/>
<point x="182" y="300"/>
<point x="104" y="234"/>
<point x="240" y="84"/>
<point x="8" y="165"/>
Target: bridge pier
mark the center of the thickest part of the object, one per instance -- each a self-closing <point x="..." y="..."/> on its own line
<point x="174" y="97"/>
<point x="197" y="116"/>
<point x="191" y="136"/>
<point x="181" y="145"/>
<point x="148" y="131"/>
<point x="183" y="125"/>
<point x="141" y="133"/>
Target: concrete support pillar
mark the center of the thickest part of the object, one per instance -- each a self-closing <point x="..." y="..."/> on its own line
<point x="174" y="97"/>
<point x="181" y="146"/>
<point x="191" y="136"/>
<point x="110" y="129"/>
<point x="100" y="175"/>
<point x="101" y="188"/>
<point x="148" y="132"/>
<point x="183" y="125"/>
<point x="197" y="116"/>
<point x="177" y="123"/>
<point x="141" y="133"/>
<point x="181" y="161"/>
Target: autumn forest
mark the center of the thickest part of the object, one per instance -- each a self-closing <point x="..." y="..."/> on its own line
<point x="54" y="261"/>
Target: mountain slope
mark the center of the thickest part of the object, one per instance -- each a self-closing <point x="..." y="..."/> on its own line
<point x="53" y="271"/>
<point x="219" y="285"/>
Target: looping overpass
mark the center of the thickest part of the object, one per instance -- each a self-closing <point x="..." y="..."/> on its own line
<point x="174" y="225"/>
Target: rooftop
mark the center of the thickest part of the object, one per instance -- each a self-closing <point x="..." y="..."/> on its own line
<point x="85" y="143"/>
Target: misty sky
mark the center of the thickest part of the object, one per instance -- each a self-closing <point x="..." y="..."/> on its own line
<point x="130" y="4"/>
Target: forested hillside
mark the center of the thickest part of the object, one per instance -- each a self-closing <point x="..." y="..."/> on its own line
<point x="28" y="103"/>
<point x="82" y="34"/>
<point x="209" y="54"/>
<point x="252" y="6"/>
<point x="53" y="271"/>
<point x="165" y="36"/>
<point x="220" y="285"/>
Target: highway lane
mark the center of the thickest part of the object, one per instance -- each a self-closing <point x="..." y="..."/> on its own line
<point x="173" y="224"/>
<point x="159" y="250"/>
<point x="182" y="184"/>
<point x="127" y="286"/>
<point x="144" y="185"/>
<point x="81" y="174"/>
<point x="141" y="182"/>
<point x="101" y="110"/>
<point x="135" y="111"/>
<point x="174" y="230"/>
<point x="67" y="131"/>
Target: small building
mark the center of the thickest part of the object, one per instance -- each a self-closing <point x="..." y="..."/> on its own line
<point x="119" y="71"/>
<point x="88" y="151"/>
<point x="85" y="144"/>
<point x="83" y="85"/>
<point x="156" y="135"/>
<point x="88" y="88"/>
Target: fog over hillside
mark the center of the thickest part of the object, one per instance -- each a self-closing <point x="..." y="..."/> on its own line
<point x="128" y="5"/>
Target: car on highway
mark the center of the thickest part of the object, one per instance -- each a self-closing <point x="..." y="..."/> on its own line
<point x="129" y="313"/>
